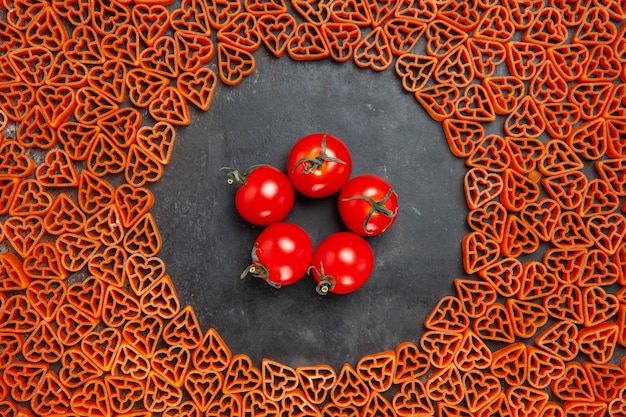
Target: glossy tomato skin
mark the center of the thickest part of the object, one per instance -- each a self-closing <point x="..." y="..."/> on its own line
<point x="319" y="165"/>
<point x="281" y="254"/>
<point x="344" y="258"/>
<point x="368" y="205"/>
<point x="265" y="196"/>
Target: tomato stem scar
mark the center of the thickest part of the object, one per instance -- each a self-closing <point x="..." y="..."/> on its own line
<point x="313" y="164"/>
<point x="258" y="270"/>
<point x="377" y="206"/>
<point x="327" y="282"/>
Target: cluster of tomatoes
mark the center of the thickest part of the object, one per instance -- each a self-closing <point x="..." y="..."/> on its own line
<point x="319" y="165"/>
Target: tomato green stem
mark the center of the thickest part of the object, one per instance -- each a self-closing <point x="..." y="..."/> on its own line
<point x="258" y="270"/>
<point x="376" y="206"/>
<point x="234" y="176"/>
<point x="313" y="164"/>
<point x="326" y="283"/>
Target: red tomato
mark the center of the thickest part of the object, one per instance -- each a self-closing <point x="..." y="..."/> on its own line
<point x="342" y="263"/>
<point x="265" y="195"/>
<point x="368" y="205"/>
<point x="281" y="254"/>
<point x="319" y="165"/>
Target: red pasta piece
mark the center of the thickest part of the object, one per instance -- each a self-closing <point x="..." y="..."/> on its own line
<point x="445" y="385"/>
<point x="123" y="45"/>
<point x="571" y="232"/>
<point x="57" y="170"/>
<point x="474" y="105"/>
<point x="350" y="11"/>
<point x="439" y="101"/>
<point x="559" y="159"/>
<point x="254" y="403"/>
<point x="566" y="189"/>
<point x="307" y="43"/>
<point x="574" y="385"/>
<point x="566" y="303"/>
<point x="295" y="404"/>
<point x="24" y="379"/>
<point x="489" y="220"/>
<point x="32" y="64"/>
<point x="481" y="187"/>
<point x="377" y="370"/>
<point x="611" y="171"/>
<point x="543" y="367"/>
<point x="591" y="97"/>
<point x="109" y="266"/>
<point x="133" y="202"/>
<point x="315" y="12"/>
<point x="171" y="364"/>
<point x="160" y="299"/>
<point x="143" y="334"/>
<point x="42" y="345"/>
<point x="341" y="38"/>
<point x="519" y="191"/>
<point x="77" y="139"/>
<point x="537" y="281"/>
<point x="476" y="296"/>
<point x="142" y="272"/>
<point x="73" y="324"/>
<point x="317" y="381"/>
<point x="197" y="87"/>
<point x="16" y="99"/>
<point x="43" y="263"/>
<point x="614" y="138"/>
<point x="496" y="24"/>
<point x="212" y="353"/>
<point x="124" y="393"/>
<point x="87" y="296"/>
<point x="526" y="400"/>
<point x="197" y="17"/>
<point x="45" y="296"/>
<point x="440" y="347"/>
<point x="108" y="16"/>
<point x="419" y="10"/>
<point x="598" y="306"/>
<point x="608" y="380"/>
<point x="547" y="28"/>
<point x="607" y="231"/>
<point x="374" y="51"/>
<point x="598" y="199"/>
<point x="109" y="79"/>
<point x="276" y="30"/>
<point x="412" y="399"/>
<point x="443" y="38"/>
<point x="151" y="21"/>
<point x="241" y="376"/>
<point x="411" y="363"/>
<point x="14" y="163"/>
<point x="560" y="339"/>
<point x="23" y="233"/>
<point x="160" y="395"/>
<point x="84" y="46"/>
<point x="525" y="120"/>
<point x="143" y="237"/>
<point x="130" y="362"/>
<point x="491" y="154"/>
<point x="76" y="368"/>
<point x="462" y="15"/>
<point x="265" y="7"/>
<point x="241" y="32"/>
<point x="141" y="167"/>
<point x="227" y="404"/>
<point x="598" y="342"/>
<point x="277" y="379"/>
<point x="480" y="389"/>
<point x="463" y="136"/>
<point x="504" y="92"/>
<point x="119" y="307"/>
<point x="569" y="60"/>
<point x="560" y="118"/>
<point x="595" y="27"/>
<point x="486" y="55"/>
<point x="473" y="353"/>
<point x="478" y="252"/>
<point x="447" y="316"/>
<point x="456" y="67"/>
<point x="495" y="325"/>
<point x="234" y="64"/>
<point x="403" y="34"/>
<point x="91" y="399"/>
<point x="101" y="347"/>
<point x="105" y="226"/>
<point x="52" y="396"/>
<point x="602" y="65"/>
<point x="144" y="86"/>
<point x="203" y="387"/>
<point x="64" y="216"/>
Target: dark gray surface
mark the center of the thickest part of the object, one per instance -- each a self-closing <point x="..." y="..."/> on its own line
<point x="206" y="244"/>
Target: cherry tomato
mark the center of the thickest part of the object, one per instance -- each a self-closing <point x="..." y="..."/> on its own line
<point x="265" y="195"/>
<point x="368" y="205"/>
<point x="281" y="254"/>
<point x="319" y="165"/>
<point x="342" y="263"/>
